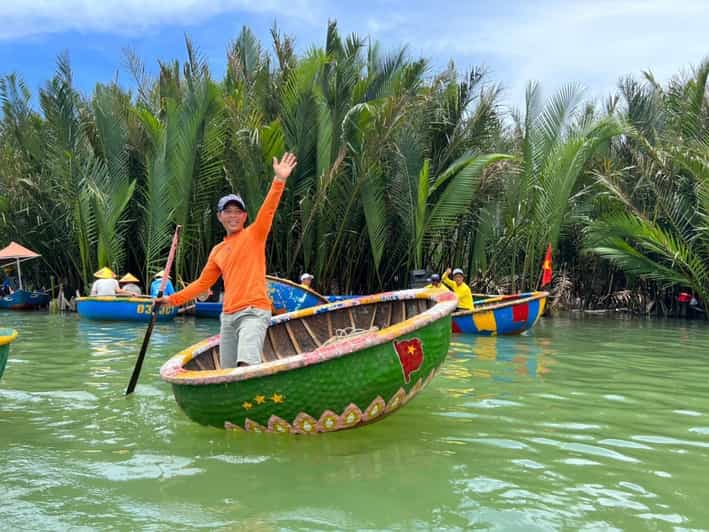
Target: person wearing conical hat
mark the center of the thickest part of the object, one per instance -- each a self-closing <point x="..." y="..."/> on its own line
<point x="129" y="283"/>
<point x="106" y="284"/>
<point x="155" y="285"/>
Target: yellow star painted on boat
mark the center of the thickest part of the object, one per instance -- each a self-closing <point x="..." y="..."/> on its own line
<point x="277" y="398"/>
<point x="411" y="349"/>
<point x="247" y="405"/>
<point x="260" y="399"/>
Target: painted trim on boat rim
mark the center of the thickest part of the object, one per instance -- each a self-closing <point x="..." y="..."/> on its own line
<point x="116" y="299"/>
<point x="514" y="299"/>
<point x="173" y="370"/>
<point x="7" y="336"/>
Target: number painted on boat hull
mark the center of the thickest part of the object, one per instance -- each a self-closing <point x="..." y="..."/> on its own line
<point x="147" y="309"/>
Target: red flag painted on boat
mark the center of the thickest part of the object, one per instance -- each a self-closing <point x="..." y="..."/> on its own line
<point x="410" y="353"/>
<point x="546" y="268"/>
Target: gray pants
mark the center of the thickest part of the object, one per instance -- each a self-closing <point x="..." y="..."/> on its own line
<point x="242" y="336"/>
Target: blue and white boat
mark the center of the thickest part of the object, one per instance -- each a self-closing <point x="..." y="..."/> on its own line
<point x="207" y="309"/>
<point x="20" y="299"/>
<point x="24" y="300"/>
<point x="285" y="295"/>
<point x="117" y="308"/>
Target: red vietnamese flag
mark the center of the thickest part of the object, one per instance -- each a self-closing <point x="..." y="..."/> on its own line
<point x="546" y="267"/>
<point x="410" y="354"/>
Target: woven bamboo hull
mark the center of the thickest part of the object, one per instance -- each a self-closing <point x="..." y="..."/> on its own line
<point x="107" y="308"/>
<point x="7" y="336"/>
<point x="513" y="314"/>
<point x="24" y="300"/>
<point x="311" y="382"/>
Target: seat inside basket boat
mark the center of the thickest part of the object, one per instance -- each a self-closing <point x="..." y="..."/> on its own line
<point x="306" y="334"/>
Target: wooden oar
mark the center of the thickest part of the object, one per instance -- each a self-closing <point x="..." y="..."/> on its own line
<point x="153" y="315"/>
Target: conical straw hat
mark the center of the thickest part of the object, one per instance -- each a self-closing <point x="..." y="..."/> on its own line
<point x="161" y="273"/>
<point x="105" y="273"/>
<point x="129" y="278"/>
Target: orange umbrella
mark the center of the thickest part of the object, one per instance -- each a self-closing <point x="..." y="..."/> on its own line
<point x="17" y="253"/>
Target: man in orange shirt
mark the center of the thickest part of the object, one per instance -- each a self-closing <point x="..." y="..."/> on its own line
<point x="241" y="261"/>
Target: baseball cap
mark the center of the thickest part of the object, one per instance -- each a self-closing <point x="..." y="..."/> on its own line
<point x="457" y="271"/>
<point x="306" y="276"/>
<point x="435" y="277"/>
<point x="230" y="198"/>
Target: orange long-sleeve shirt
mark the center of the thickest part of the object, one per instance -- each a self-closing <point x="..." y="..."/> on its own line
<point x="241" y="260"/>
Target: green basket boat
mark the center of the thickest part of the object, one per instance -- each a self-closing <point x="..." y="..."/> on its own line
<point x="7" y="336"/>
<point x="325" y="368"/>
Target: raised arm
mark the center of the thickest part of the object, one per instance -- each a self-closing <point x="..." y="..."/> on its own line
<point x="447" y="280"/>
<point x="281" y="170"/>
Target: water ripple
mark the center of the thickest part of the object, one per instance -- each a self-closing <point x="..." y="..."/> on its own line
<point x="584" y="424"/>
<point x="586" y="449"/>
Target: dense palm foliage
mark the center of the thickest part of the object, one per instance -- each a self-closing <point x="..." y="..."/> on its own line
<point x="399" y="168"/>
<point x="655" y="221"/>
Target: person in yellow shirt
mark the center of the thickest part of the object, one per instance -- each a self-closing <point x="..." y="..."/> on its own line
<point x="435" y="284"/>
<point x="306" y="280"/>
<point x="462" y="290"/>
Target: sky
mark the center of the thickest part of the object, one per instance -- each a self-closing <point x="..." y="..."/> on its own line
<point x="554" y="42"/>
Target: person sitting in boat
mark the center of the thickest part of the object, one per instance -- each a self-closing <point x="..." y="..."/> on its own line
<point x="306" y="280"/>
<point x="106" y="284"/>
<point x="241" y="262"/>
<point x="434" y="284"/>
<point x="462" y="290"/>
<point x="155" y="285"/>
<point x="128" y="283"/>
<point x="8" y="285"/>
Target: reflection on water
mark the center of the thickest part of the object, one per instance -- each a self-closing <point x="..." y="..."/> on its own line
<point x="529" y="355"/>
<point x="583" y="424"/>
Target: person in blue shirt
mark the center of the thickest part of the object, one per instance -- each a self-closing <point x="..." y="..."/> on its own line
<point x="6" y="287"/>
<point x="9" y="284"/>
<point x="155" y="285"/>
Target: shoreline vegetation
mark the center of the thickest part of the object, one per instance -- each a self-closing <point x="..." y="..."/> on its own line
<point x="399" y="168"/>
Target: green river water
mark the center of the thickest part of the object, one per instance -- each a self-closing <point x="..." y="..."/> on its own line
<point x="589" y="424"/>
